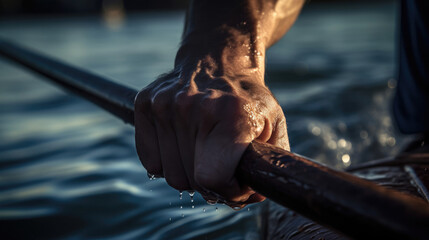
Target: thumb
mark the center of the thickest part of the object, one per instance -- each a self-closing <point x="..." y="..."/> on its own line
<point x="279" y="136"/>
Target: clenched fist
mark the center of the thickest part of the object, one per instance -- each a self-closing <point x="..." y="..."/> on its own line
<point x="193" y="124"/>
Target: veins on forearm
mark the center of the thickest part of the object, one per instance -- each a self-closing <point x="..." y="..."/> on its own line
<point x="229" y="38"/>
<point x="266" y="19"/>
<point x="225" y="53"/>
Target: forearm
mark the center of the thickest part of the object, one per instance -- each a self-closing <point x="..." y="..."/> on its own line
<point x="235" y="33"/>
<point x="267" y="19"/>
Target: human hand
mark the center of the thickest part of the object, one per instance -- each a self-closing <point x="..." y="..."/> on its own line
<point x="193" y="124"/>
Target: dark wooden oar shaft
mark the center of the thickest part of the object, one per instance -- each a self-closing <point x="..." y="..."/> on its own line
<point x="351" y="205"/>
<point x="115" y="98"/>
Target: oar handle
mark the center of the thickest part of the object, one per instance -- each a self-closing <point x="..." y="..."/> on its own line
<point x="349" y="204"/>
<point x="354" y="206"/>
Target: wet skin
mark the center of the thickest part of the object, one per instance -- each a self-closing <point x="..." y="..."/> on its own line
<point x="194" y="123"/>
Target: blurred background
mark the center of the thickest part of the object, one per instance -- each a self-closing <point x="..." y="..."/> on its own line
<point x="68" y="170"/>
<point x="23" y="7"/>
<point x="57" y="7"/>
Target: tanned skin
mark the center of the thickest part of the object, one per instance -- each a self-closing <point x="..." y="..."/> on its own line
<point x="194" y="123"/>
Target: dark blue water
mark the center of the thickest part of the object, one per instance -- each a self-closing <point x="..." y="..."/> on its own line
<point x="68" y="170"/>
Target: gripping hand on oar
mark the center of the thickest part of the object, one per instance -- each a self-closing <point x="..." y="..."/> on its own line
<point x="194" y="123"/>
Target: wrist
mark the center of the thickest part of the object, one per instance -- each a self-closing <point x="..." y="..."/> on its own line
<point x="233" y="51"/>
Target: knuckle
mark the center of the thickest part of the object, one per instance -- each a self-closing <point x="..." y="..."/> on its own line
<point x="142" y="100"/>
<point x="183" y="102"/>
<point x="209" y="97"/>
<point x="160" y="104"/>
<point x="209" y="104"/>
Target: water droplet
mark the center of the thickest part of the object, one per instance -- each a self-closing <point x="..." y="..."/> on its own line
<point x="204" y="210"/>
<point x="150" y="176"/>
<point x="170" y="219"/>
<point x="183" y="215"/>
<point x="257" y="53"/>
<point x="180" y="195"/>
<point x="217" y="209"/>
<point x="236" y="208"/>
<point x="181" y="207"/>
<point x="191" y="194"/>
<point x="248" y="209"/>
<point x="193" y="206"/>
